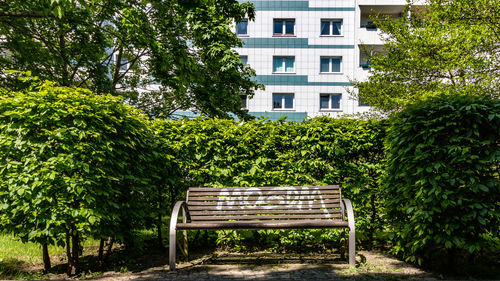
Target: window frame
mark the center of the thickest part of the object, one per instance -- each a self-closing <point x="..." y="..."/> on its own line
<point x="330" y="27"/>
<point x="283" y="27"/>
<point x="283" y="108"/>
<point x="330" y="65"/>
<point x="242" y="34"/>
<point x="283" y="64"/>
<point x="330" y="108"/>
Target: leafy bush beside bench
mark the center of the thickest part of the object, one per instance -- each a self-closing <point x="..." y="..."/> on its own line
<point x="442" y="184"/>
<point x="73" y="164"/>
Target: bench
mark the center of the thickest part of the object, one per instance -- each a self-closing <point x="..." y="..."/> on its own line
<point x="293" y="207"/>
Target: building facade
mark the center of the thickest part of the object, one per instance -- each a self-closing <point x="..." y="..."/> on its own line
<point x="307" y="52"/>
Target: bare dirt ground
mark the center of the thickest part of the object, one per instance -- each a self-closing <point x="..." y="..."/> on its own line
<point x="269" y="266"/>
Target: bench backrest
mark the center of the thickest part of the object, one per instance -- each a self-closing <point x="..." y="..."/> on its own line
<point x="264" y="203"/>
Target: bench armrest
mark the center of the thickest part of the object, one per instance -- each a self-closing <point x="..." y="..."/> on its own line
<point x="175" y="214"/>
<point x="350" y="213"/>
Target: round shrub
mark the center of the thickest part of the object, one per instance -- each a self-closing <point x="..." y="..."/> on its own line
<point x="72" y="164"/>
<point x="442" y="182"/>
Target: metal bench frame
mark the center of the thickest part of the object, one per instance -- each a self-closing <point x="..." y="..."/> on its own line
<point x="326" y="222"/>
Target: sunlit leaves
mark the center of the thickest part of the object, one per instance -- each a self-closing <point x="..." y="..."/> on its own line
<point x="442" y="184"/>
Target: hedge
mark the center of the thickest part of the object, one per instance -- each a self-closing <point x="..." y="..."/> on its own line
<point x="73" y="164"/>
<point x="213" y="152"/>
<point x="442" y="182"/>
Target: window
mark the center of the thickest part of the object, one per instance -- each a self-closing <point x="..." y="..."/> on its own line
<point x="330" y="64"/>
<point x="284" y="27"/>
<point x="242" y="28"/>
<point x="283" y="101"/>
<point x="361" y="103"/>
<point x="330" y="101"/>
<point x="331" y="27"/>
<point x="283" y="64"/>
<point x="243" y="101"/>
<point x="244" y="59"/>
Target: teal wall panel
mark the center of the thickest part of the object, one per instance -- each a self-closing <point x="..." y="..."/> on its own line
<point x="292" y="6"/>
<point x="273" y="116"/>
<point x="293" y="43"/>
<point x="296" y="80"/>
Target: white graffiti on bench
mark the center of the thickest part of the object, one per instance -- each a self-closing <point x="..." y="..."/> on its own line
<point x="294" y="195"/>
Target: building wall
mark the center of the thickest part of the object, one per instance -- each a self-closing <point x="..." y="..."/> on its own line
<point x="307" y="46"/>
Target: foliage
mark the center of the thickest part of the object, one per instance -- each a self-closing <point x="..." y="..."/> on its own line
<point x="73" y="164"/>
<point x="214" y="152"/>
<point x="442" y="183"/>
<point x="446" y="47"/>
<point x="161" y="55"/>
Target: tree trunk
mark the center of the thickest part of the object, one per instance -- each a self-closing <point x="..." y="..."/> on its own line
<point x="71" y="267"/>
<point x="373" y="222"/>
<point x="46" y="257"/>
<point x="75" y="251"/>
<point x="160" y="238"/>
<point x="108" y="250"/>
<point x="100" y="255"/>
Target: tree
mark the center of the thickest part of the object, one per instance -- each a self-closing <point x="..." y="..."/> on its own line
<point x="448" y="46"/>
<point x="73" y="164"/>
<point x="161" y="55"/>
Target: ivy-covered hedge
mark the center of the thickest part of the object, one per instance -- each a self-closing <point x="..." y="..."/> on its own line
<point x="442" y="183"/>
<point x="214" y="152"/>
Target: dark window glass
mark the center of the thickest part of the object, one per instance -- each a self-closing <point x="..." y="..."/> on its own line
<point x="244" y="59"/>
<point x="325" y="28"/>
<point x="289" y="27"/>
<point x="325" y="63"/>
<point x="241" y="28"/>
<point x="323" y="101"/>
<point x="288" y="100"/>
<point x="336" y="64"/>
<point x="335" y="101"/>
<point x="336" y="27"/>
<point x="277" y="101"/>
<point x="243" y="101"/>
<point x="361" y="103"/>
<point x="278" y="27"/>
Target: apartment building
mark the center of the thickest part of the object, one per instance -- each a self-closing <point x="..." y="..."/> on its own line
<point x="307" y="52"/>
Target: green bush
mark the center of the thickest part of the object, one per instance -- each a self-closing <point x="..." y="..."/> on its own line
<point x="442" y="182"/>
<point x="72" y="164"/>
<point x="214" y="152"/>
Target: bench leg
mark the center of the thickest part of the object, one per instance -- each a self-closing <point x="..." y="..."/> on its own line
<point x="352" y="248"/>
<point x="184" y="233"/>
<point x="171" y="249"/>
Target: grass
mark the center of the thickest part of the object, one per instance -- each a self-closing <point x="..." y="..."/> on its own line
<point x="23" y="260"/>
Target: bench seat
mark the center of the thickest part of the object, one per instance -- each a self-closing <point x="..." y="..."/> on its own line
<point x="283" y="224"/>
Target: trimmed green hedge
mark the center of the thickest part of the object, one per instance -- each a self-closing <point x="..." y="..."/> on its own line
<point x="442" y="182"/>
<point x="73" y="164"/>
<point x="214" y="152"/>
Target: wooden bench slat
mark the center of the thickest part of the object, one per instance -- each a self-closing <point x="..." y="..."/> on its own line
<point x="282" y="224"/>
<point x="232" y="189"/>
<point x="264" y="192"/>
<point x="265" y="207"/>
<point x="269" y="202"/>
<point x="264" y="217"/>
<point x="261" y="211"/>
<point x="265" y="198"/>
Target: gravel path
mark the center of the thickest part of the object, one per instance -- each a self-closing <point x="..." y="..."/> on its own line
<point x="265" y="266"/>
